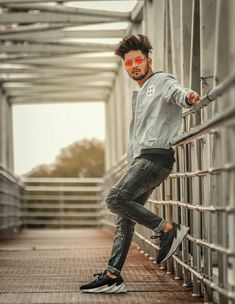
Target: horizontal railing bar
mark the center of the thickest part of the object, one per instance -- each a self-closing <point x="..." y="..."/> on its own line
<point x="6" y="215"/>
<point x="203" y="128"/>
<point x="200" y="208"/>
<point x="63" y="188"/>
<point x="211" y="245"/>
<point x="59" y="206"/>
<point x="60" y="214"/>
<point x="227" y="167"/>
<point x="10" y="204"/>
<point x="59" y="197"/>
<point x="213" y="94"/>
<point x="62" y="180"/>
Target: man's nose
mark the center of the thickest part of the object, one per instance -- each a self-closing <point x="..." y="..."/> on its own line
<point x="134" y="64"/>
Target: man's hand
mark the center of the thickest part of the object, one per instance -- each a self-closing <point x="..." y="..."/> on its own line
<point x="193" y="98"/>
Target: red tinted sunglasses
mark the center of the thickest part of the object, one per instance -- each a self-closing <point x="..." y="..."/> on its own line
<point x="137" y="60"/>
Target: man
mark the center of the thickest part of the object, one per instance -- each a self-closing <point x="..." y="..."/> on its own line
<point x="156" y="119"/>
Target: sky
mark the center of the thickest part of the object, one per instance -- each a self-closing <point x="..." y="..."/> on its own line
<point x="41" y="131"/>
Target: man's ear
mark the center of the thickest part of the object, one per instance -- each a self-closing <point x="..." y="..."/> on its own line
<point x="149" y="61"/>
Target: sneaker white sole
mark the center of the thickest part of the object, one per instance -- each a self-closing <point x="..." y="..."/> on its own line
<point x="181" y="234"/>
<point x="108" y="289"/>
<point x="117" y="289"/>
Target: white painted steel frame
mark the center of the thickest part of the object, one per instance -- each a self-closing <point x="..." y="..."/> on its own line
<point x="50" y="202"/>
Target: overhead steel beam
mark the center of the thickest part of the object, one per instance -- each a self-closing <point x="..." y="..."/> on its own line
<point x="42" y="68"/>
<point x="27" y="63"/>
<point x="82" y="70"/>
<point x="38" y="79"/>
<point x="51" y="74"/>
<point x="60" y="61"/>
<point x="81" y="91"/>
<point x="54" y="48"/>
<point x="53" y="35"/>
<point x="101" y="74"/>
<point x="9" y="58"/>
<point x="50" y="86"/>
<point x="137" y="12"/>
<point x="32" y="28"/>
<point x="28" y="18"/>
<point x="46" y="95"/>
<point x="43" y="89"/>
<point x="68" y="83"/>
<point x="57" y="99"/>
<point x="44" y="81"/>
<point x="72" y="10"/>
<point x="46" y="76"/>
<point x="60" y="95"/>
<point x="47" y="1"/>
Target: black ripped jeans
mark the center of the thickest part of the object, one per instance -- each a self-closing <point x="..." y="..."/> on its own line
<point x="127" y="198"/>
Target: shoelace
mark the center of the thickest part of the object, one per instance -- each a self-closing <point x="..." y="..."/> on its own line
<point x="156" y="236"/>
<point x="98" y="274"/>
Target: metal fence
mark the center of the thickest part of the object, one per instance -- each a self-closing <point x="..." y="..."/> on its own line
<point x="10" y="204"/>
<point x="61" y="202"/>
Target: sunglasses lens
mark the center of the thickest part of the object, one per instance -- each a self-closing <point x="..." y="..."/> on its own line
<point x="128" y="63"/>
<point x="139" y="60"/>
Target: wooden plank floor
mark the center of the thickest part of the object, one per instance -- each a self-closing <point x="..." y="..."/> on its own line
<point x="48" y="266"/>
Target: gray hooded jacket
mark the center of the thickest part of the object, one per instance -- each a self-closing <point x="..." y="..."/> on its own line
<point x="156" y="113"/>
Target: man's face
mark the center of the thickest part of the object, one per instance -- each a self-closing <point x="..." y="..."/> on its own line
<point x="136" y="64"/>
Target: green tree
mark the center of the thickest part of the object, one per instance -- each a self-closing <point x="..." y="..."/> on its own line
<point x="84" y="158"/>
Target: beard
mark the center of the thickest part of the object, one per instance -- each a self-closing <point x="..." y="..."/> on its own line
<point x="141" y="76"/>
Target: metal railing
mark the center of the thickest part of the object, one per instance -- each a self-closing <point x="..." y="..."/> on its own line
<point x="61" y="202"/>
<point x="200" y="194"/>
<point x="10" y="204"/>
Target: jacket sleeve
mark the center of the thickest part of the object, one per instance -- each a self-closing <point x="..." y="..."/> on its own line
<point x="130" y="153"/>
<point x="175" y="92"/>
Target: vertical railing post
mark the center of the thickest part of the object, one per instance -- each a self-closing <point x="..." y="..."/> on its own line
<point x="196" y="216"/>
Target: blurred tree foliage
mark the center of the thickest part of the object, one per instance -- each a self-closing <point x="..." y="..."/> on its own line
<point x="84" y="158"/>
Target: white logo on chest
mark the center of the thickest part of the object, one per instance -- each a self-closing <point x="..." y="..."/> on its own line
<point x="150" y="91"/>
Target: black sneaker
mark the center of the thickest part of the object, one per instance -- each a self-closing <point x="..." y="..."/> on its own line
<point x="105" y="284"/>
<point x="170" y="241"/>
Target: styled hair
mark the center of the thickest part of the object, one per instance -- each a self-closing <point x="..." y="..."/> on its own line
<point x="133" y="42"/>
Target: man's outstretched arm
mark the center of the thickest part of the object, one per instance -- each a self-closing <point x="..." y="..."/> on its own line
<point x="179" y="94"/>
